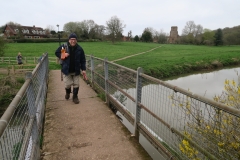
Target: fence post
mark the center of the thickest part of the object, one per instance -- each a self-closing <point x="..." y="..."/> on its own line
<point x="13" y="69"/>
<point x="92" y="70"/>
<point x="106" y="79"/>
<point x="138" y="100"/>
<point x="9" y="60"/>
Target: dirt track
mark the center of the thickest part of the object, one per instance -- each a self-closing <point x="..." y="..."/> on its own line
<point x="135" y="54"/>
<point x="84" y="131"/>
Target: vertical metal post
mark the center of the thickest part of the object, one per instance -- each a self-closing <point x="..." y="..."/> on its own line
<point x="138" y="99"/>
<point x="92" y="70"/>
<point x="58" y="35"/>
<point x="106" y="79"/>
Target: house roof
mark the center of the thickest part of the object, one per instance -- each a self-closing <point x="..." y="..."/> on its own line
<point x="26" y="30"/>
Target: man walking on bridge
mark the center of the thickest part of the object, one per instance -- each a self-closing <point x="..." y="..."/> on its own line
<point x="72" y="60"/>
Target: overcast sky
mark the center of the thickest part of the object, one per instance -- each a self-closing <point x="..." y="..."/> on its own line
<point x="136" y="14"/>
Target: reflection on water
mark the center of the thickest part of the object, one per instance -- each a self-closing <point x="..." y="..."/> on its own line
<point x="206" y="84"/>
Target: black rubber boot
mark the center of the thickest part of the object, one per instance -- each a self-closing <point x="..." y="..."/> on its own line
<point x="68" y="91"/>
<point x="75" y="95"/>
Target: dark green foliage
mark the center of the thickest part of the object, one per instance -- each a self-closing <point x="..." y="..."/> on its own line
<point x="147" y="36"/>
<point x="2" y="46"/>
<point x="53" y="32"/>
<point x="231" y="36"/>
<point x="9" y="86"/>
<point x="136" y="38"/>
<point x="218" y="37"/>
<point x="4" y="102"/>
<point x="20" y="80"/>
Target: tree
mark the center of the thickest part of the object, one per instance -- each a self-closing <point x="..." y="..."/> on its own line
<point x="2" y="28"/>
<point x="161" y="36"/>
<point x="2" y="46"/>
<point x="231" y="36"/>
<point x="114" y="28"/>
<point x="100" y="31"/>
<point x="192" y="33"/>
<point x="51" y="30"/>
<point x="208" y="37"/>
<point x="130" y="35"/>
<point x="147" y="35"/>
<point x="218" y="37"/>
<point x="71" y="27"/>
<point x="189" y="28"/>
<point x="198" y="30"/>
<point x="88" y="29"/>
<point x="136" y="38"/>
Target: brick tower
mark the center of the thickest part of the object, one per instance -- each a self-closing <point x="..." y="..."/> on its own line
<point x="173" y="35"/>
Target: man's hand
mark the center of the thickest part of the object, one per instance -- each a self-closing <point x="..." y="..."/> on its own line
<point x="66" y="55"/>
<point x="84" y="75"/>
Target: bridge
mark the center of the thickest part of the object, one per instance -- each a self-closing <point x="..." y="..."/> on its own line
<point x="178" y="123"/>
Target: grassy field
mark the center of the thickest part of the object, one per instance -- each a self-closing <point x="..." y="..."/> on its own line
<point x="166" y="61"/>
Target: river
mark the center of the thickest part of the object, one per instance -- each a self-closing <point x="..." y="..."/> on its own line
<point x="203" y="84"/>
<point x="207" y="84"/>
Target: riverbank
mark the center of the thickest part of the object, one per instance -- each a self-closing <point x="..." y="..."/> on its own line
<point x="174" y="60"/>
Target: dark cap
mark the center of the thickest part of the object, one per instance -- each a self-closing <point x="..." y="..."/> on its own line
<point x="72" y="35"/>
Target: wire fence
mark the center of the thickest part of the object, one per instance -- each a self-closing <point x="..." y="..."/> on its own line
<point x="180" y="124"/>
<point x="21" y="124"/>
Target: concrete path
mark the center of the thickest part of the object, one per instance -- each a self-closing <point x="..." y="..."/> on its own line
<point x="84" y="131"/>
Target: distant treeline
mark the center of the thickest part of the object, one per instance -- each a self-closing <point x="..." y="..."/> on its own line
<point x="226" y="36"/>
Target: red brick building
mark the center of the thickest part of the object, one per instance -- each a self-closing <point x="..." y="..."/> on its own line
<point x="24" y="32"/>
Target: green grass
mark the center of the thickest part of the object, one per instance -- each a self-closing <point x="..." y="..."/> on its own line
<point x="165" y="61"/>
<point x="97" y="49"/>
<point x="170" y="60"/>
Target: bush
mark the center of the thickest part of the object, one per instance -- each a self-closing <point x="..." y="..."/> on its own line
<point x="2" y="46"/>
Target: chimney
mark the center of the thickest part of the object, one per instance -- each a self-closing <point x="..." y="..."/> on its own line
<point x="33" y="26"/>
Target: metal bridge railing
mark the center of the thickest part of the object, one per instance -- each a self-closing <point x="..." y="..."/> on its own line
<point x="21" y="124"/>
<point x="180" y="124"/>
